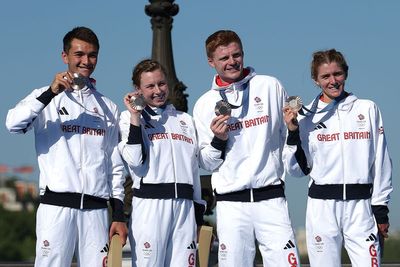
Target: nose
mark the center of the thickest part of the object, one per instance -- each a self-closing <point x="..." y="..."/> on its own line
<point x="231" y="61"/>
<point x="157" y="89"/>
<point x="332" y="79"/>
<point x="85" y="60"/>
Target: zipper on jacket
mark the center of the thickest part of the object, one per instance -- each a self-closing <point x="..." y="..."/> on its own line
<point x="342" y="156"/>
<point x="81" y="150"/>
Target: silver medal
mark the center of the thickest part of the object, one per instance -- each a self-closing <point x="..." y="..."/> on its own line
<point x="138" y="102"/>
<point x="294" y="102"/>
<point x="78" y="82"/>
<point x="222" y="108"/>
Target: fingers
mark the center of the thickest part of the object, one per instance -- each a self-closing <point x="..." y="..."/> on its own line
<point x="384" y="229"/>
<point x="62" y="81"/>
<point x="290" y="118"/>
<point x="119" y="228"/>
<point x="219" y="126"/>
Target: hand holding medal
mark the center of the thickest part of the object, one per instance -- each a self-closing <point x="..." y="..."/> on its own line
<point x="292" y="106"/>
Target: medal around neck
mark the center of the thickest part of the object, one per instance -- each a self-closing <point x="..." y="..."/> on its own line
<point x="138" y="102"/>
<point x="78" y="82"/>
<point x="222" y="108"/>
<point x="294" y="102"/>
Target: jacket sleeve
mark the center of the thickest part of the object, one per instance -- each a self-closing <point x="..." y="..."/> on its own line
<point x="211" y="149"/>
<point x="116" y="176"/>
<point x="200" y="205"/>
<point x="381" y="171"/>
<point x="131" y="145"/>
<point x="20" y="118"/>
<point x="294" y="156"/>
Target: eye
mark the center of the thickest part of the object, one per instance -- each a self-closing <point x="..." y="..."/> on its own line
<point x="339" y="73"/>
<point x="237" y="55"/>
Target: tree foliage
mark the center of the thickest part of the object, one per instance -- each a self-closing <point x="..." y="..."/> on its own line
<point x="17" y="235"/>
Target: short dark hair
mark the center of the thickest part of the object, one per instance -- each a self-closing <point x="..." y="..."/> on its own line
<point x="146" y="65"/>
<point x="221" y="37"/>
<point x="327" y="56"/>
<point x="81" y="33"/>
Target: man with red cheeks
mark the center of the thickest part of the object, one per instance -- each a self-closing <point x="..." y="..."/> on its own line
<point x="248" y="174"/>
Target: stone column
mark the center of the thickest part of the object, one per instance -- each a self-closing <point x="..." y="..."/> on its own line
<point x="161" y="13"/>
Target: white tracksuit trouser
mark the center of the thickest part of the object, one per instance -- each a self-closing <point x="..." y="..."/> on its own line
<point x="240" y="224"/>
<point x="333" y="223"/>
<point x="61" y="231"/>
<point x="163" y="232"/>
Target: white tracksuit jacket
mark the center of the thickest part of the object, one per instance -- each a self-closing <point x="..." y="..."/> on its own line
<point x="171" y="150"/>
<point x="257" y="126"/>
<point x="76" y="138"/>
<point x="342" y="147"/>
<point x="163" y="151"/>
<point x="347" y="147"/>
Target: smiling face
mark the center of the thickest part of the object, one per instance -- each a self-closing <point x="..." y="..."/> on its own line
<point x="331" y="79"/>
<point x="228" y="62"/>
<point x="81" y="57"/>
<point x="154" y="87"/>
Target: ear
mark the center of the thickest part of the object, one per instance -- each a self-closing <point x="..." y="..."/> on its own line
<point x="64" y="57"/>
<point x="317" y="83"/>
<point x="211" y="62"/>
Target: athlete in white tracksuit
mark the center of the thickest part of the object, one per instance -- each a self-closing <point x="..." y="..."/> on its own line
<point x="76" y="138"/>
<point x="159" y="145"/>
<point x="340" y="143"/>
<point x="248" y="178"/>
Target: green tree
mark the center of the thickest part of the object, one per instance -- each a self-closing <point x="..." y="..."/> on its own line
<point x="17" y="232"/>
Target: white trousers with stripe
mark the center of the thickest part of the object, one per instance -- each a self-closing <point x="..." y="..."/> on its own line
<point x="163" y="232"/>
<point x="61" y="231"/>
<point x="241" y="224"/>
<point x="330" y="224"/>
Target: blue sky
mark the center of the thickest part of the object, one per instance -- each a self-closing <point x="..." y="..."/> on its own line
<point x="278" y="37"/>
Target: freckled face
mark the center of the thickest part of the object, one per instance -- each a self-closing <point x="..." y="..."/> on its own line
<point x="331" y="79"/>
<point x="228" y="62"/>
<point x="154" y="88"/>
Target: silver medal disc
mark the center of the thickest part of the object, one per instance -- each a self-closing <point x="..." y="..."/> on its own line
<point x="138" y="102"/>
<point x="78" y="81"/>
<point x="294" y="102"/>
<point x="222" y="108"/>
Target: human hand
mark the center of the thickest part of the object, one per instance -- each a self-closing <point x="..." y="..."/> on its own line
<point x="219" y="126"/>
<point x="119" y="228"/>
<point x="383" y="229"/>
<point x="135" y="111"/>
<point x="62" y="81"/>
<point x="290" y="117"/>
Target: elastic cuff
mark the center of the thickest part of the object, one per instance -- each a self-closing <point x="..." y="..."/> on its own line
<point x="219" y="144"/>
<point x="293" y="137"/>
<point x="199" y="210"/>
<point x="117" y="207"/>
<point x="135" y="135"/>
<point x="381" y="214"/>
<point x="46" y="96"/>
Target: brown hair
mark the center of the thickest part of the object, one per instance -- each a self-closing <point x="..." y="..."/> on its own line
<point x="222" y="37"/>
<point x="327" y="56"/>
<point x="81" y="33"/>
<point x="146" y="65"/>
